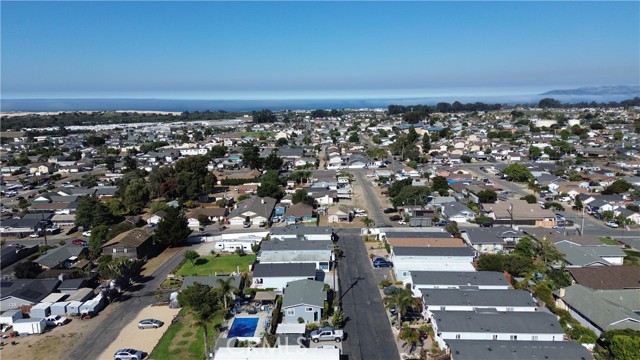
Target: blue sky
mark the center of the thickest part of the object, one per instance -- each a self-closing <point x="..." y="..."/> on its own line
<point x="289" y="50"/>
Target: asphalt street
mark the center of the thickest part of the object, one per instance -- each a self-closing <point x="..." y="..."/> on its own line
<point x="368" y="331"/>
<point x="109" y="327"/>
<point x="592" y="226"/>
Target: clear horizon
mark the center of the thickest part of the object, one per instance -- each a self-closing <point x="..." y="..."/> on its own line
<point x="312" y="50"/>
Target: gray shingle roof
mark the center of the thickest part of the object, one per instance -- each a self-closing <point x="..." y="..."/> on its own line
<point x="295" y="244"/>
<point x="277" y="270"/>
<point x="260" y="206"/>
<point x="476" y="297"/>
<point x="497" y="322"/>
<point x="308" y="292"/>
<point x="57" y="256"/>
<point x="491" y="235"/>
<point x="211" y="281"/>
<point x="586" y="255"/>
<point x="301" y="230"/>
<point x="459" y="278"/>
<point x="604" y="308"/>
<point x="517" y="350"/>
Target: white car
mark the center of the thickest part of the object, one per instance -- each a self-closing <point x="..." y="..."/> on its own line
<point x="34" y="235"/>
<point x="87" y="233"/>
<point x="55" y="320"/>
<point x="611" y="223"/>
<point x="402" y="222"/>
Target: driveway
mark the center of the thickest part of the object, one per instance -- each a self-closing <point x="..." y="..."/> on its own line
<point x="110" y="326"/>
<point x="143" y="340"/>
<point x="368" y="331"/>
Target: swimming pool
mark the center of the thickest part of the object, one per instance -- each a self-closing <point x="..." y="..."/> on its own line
<point x="243" y="327"/>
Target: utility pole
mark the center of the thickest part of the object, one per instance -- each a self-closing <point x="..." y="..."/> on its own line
<point x="44" y="230"/>
<point x="511" y="213"/>
<point x="582" y="226"/>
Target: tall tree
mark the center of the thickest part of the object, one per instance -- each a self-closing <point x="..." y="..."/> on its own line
<point x="251" y="157"/>
<point x="273" y="162"/>
<point x="402" y="301"/>
<point x="136" y="196"/>
<point x="173" y="229"/>
<point x="225" y="288"/>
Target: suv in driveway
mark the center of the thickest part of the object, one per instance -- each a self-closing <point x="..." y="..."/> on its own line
<point x="379" y="262"/>
<point x="129" y="354"/>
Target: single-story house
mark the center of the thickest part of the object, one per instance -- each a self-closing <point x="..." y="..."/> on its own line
<point x="276" y="276"/>
<point x="408" y="259"/>
<point x="303" y="299"/>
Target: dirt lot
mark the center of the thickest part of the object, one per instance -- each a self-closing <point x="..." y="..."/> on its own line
<point x="144" y="340"/>
<point x="56" y="342"/>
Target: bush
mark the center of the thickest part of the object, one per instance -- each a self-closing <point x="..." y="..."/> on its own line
<point x="387" y="247"/>
<point x="300" y="320"/>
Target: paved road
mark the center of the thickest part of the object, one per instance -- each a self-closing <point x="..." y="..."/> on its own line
<point x="109" y="328"/>
<point x="367" y="329"/>
<point x="373" y="206"/>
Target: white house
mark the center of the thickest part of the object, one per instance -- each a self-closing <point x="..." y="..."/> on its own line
<point x="494" y="325"/>
<point x="468" y="299"/>
<point x="408" y="259"/>
<point x="276" y="276"/>
<point x="319" y="253"/>
<point x="421" y="281"/>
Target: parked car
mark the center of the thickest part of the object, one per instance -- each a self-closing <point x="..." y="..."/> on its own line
<point x="327" y="333"/>
<point x="611" y="223"/>
<point x="486" y="224"/>
<point x="55" y="320"/>
<point x="129" y="354"/>
<point x="389" y="210"/>
<point x="34" y="235"/>
<point x="149" y="324"/>
<point x="442" y="222"/>
<point x="379" y="262"/>
<point x="87" y="233"/>
<point x="78" y="242"/>
<point x="395" y="217"/>
<point x="402" y="222"/>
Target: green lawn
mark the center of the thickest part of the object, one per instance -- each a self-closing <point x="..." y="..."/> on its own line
<point x="212" y="265"/>
<point x="183" y="340"/>
<point x="256" y="134"/>
<point x="607" y="241"/>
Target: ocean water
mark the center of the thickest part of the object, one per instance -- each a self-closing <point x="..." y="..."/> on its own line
<point x="12" y="105"/>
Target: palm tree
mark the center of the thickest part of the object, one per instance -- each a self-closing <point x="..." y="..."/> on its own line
<point x="400" y="300"/>
<point x="368" y="222"/>
<point x="411" y="335"/>
<point x="225" y="288"/>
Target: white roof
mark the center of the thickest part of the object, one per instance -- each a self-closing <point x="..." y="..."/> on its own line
<point x="283" y="353"/>
<point x="53" y="297"/>
<point x="290" y="329"/>
<point x="42" y="305"/>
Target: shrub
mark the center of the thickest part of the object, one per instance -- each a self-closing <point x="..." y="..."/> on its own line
<point x="300" y="320"/>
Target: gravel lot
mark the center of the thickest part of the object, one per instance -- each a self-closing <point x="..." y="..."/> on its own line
<point x="144" y="340"/>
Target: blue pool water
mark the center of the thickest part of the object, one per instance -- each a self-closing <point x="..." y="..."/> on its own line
<point x="243" y="327"/>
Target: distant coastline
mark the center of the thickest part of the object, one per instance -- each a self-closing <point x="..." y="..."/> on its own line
<point x="178" y="105"/>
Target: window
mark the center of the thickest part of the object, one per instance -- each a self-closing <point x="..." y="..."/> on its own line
<point x="309" y="309"/>
<point x="291" y="312"/>
<point x="443" y="308"/>
<point x="534" y="337"/>
<point x="125" y="250"/>
<point x="513" y="337"/>
<point x="509" y="309"/>
<point x="458" y="336"/>
<point x="114" y="250"/>
<point x="259" y="281"/>
<point x="495" y="337"/>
